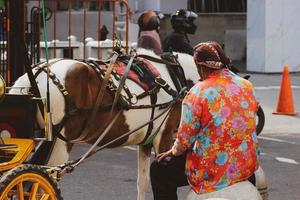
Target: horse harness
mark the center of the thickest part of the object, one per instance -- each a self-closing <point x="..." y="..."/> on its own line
<point x="124" y="102"/>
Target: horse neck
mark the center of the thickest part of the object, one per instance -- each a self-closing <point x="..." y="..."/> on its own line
<point x="189" y="67"/>
<point x="161" y="68"/>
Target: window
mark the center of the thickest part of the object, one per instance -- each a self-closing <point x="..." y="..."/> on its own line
<point x="94" y="6"/>
<point x="64" y="5"/>
<point x="216" y="6"/>
<point x="79" y="5"/>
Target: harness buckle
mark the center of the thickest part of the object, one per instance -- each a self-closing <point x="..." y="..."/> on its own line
<point x="161" y="82"/>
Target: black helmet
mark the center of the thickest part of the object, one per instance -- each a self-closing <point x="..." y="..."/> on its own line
<point x="148" y="21"/>
<point x="183" y="20"/>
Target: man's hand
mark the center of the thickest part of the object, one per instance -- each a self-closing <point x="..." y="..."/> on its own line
<point x="162" y="156"/>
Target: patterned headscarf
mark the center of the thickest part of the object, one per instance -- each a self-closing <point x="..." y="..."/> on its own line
<point x="210" y="54"/>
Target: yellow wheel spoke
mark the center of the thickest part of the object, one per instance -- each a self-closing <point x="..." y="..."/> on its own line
<point x="34" y="191"/>
<point x="20" y="191"/>
<point x="45" y="197"/>
<point x="29" y="182"/>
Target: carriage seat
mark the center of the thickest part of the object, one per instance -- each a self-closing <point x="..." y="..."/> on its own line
<point x="239" y="191"/>
<point x="6" y="146"/>
<point x="141" y="72"/>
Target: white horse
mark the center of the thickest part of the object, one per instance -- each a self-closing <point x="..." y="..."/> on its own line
<point x="75" y="75"/>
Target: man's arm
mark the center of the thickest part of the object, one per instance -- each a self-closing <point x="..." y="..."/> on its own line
<point x="189" y="125"/>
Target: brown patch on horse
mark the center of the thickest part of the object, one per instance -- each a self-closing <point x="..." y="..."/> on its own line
<point x="83" y="86"/>
<point x="170" y="129"/>
<point x="69" y="147"/>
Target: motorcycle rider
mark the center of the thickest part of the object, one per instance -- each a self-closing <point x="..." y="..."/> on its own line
<point x="183" y="23"/>
<point x="148" y="37"/>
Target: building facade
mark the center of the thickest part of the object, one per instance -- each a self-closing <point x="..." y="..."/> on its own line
<point x="258" y="34"/>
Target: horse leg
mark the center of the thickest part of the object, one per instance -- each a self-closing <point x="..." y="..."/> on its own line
<point x="143" y="177"/>
<point x="60" y="153"/>
<point x="164" y="142"/>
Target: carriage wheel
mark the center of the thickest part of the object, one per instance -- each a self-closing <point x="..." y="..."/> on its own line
<point x="28" y="182"/>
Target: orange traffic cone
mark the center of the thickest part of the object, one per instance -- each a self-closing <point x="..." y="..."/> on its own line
<point x="285" y="104"/>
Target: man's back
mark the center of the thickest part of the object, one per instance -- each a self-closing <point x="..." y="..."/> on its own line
<point x="177" y="42"/>
<point x="223" y="136"/>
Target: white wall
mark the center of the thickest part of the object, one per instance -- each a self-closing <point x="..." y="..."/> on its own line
<point x="169" y="6"/>
<point x="273" y="33"/>
<point x="148" y="5"/>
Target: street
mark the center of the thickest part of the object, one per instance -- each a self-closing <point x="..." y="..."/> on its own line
<point x="111" y="174"/>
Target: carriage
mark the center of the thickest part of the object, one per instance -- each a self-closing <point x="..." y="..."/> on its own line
<point x="19" y="179"/>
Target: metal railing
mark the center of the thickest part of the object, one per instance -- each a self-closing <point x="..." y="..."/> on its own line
<point x="30" y="27"/>
<point x="4" y="70"/>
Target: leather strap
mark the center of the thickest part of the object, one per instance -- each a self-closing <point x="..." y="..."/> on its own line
<point x="163" y="84"/>
<point x="33" y="83"/>
<point x="157" y="60"/>
<point x="122" y="82"/>
<point x="153" y="99"/>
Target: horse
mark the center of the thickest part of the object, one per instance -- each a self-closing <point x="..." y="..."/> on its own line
<point x="82" y="84"/>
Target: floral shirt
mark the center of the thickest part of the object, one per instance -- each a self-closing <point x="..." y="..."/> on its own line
<point x="218" y="130"/>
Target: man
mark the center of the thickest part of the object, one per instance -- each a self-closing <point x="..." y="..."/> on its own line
<point x="148" y="37"/>
<point x="216" y="144"/>
<point x="182" y="22"/>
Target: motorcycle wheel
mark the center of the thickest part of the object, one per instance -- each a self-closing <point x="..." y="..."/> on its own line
<point x="260" y="120"/>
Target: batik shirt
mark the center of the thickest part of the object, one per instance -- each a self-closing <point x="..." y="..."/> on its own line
<point x="217" y="129"/>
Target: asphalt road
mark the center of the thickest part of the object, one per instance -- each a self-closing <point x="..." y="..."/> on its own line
<point x="111" y="174"/>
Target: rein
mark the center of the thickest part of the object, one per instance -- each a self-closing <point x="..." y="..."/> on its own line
<point x="157" y="60"/>
<point x="69" y="167"/>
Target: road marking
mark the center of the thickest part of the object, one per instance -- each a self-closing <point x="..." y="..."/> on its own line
<point x="135" y="149"/>
<point x="275" y="140"/>
<point x="274" y="87"/>
<point x="287" y="160"/>
<point x="281" y="159"/>
<point x="130" y="148"/>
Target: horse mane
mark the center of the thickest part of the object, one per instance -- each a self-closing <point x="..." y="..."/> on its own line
<point x="189" y="66"/>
